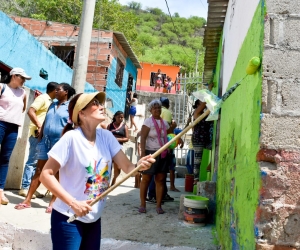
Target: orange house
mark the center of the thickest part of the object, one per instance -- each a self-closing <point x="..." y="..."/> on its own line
<point x="145" y="78"/>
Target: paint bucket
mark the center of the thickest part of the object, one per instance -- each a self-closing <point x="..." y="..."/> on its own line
<point x="189" y="183"/>
<point x="195" y="208"/>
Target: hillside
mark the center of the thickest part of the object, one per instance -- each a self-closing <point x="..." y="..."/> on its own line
<point x="153" y="35"/>
<point x="164" y="40"/>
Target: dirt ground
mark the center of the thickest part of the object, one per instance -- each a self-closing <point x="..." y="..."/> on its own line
<point x="122" y="221"/>
<point x="123" y="228"/>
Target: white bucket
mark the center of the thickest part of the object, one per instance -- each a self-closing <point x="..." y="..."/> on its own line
<point x="195" y="201"/>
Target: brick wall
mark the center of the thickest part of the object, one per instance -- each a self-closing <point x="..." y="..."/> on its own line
<point x="278" y="215"/>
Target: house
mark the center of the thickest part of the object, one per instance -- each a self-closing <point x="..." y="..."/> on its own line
<point x="112" y="64"/>
<point x="257" y="148"/>
<point x="18" y="48"/>
<point x="146" y="74"/>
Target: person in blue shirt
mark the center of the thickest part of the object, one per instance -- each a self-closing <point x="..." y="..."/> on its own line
<point x="55" y="121"/>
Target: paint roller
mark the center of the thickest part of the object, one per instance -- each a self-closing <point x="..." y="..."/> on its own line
<point x="214" y="106"/>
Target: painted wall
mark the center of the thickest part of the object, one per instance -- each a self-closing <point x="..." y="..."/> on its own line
<point x="113" y="91"/>
<point x="143" y="79"/>
<point x="238" y="178"/>
<point x="18" y="48"/>
<point x="238" y="20"/>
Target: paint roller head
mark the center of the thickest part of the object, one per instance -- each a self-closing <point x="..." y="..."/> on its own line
<point x="253" y="65"/>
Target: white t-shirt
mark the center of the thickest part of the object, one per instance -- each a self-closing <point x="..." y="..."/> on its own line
<point x="85" y="169"/>
<point x="152" y="139"/>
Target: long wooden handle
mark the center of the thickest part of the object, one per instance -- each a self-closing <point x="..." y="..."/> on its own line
<point x="157" y="153"/>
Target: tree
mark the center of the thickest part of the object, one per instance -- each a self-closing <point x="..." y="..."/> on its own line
<point x="135" y="5"/>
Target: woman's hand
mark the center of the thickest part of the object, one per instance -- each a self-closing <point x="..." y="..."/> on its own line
<point x="146" y="162"/>
<point x="81" y="208"/>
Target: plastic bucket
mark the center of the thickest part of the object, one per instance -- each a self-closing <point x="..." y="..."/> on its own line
<point x="195" y="208"/>
<point x="189" y="183"/>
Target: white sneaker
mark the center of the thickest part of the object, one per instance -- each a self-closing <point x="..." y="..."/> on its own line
<point x="24" y="192"/>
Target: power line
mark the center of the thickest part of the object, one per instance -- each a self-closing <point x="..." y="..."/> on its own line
<point x="202" y="4"/>
<point x="174" y="27"/>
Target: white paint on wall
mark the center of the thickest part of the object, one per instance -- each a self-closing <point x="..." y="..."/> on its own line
<point x="237" y="22"/>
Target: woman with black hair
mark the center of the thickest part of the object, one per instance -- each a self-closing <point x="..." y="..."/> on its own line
<point x="120" y="131"/>
<point x="56" y="119"/>
<point x="133" y="103"/>
<point x="201" y="137"/>
<point x="12" y="105"/>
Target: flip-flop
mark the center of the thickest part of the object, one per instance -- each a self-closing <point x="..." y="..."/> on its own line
<point x="21" y="206"/>
<point x="142" y="210"/>
<point x="159" y="210"/>
<point x="174" y="190"/>
<point x="48" y="210"/>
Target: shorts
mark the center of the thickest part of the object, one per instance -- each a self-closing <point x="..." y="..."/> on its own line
<point x="159" y="166"/>
<point x="44" y="147"/>
<point x="132" y="110"/>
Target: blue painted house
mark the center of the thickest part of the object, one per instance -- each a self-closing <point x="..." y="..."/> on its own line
<point x="18" y="48"/>
<point x="112" y="65"/>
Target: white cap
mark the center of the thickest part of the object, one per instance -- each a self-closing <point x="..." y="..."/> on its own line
<point x="21" y="72"/>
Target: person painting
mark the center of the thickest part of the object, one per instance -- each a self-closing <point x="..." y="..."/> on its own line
<point x="12" y="105"/>
<point x="158" y="80"/>
<point x="83" y="156"/>
<point x="201" y="137"/>
<point x="120" y="130"/>
<point x="132" y="111"/>
<point x="153" y="136"/>
<point x="56" y="119"/>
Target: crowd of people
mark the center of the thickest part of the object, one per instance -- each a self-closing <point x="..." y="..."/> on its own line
<point x="75" y="155"/>
<point x="165" y="82"/>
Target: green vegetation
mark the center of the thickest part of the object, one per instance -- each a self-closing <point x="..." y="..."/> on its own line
<point x="168" y="41"/>
<point x="153" y="35"/>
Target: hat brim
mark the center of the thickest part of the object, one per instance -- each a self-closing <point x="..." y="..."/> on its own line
<point x="85" y="99"/>
<point x="26" y="77"/>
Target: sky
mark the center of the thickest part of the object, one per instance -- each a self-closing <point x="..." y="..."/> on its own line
<point x="185" y="8"/>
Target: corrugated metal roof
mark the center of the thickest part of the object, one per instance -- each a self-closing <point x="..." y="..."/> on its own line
<point x="123" y="41"/>
<point x="215" y="21"/>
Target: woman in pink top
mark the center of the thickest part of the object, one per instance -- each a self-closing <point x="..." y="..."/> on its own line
<point x="12" y="105"/>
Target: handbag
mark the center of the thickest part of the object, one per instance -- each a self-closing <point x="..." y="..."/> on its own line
<point x="165" y="152"/>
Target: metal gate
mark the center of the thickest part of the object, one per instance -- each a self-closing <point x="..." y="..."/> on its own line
<point x="187" y="84"/>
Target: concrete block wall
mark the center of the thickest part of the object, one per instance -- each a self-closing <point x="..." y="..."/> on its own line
<point x="278" y="219"/>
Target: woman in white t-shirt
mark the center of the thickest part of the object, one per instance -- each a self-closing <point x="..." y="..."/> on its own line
<point x="83" y="157"/>
<point x="153" y="137"/>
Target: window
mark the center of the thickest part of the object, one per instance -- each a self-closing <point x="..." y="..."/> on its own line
<point x="119" y="73"/>
<point x="152" y="78"/>
<point x="65" y="53"/>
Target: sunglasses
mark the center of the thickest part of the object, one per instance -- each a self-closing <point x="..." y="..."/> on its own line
<point x="95" y="103"/>
<point x="22" y="77"/>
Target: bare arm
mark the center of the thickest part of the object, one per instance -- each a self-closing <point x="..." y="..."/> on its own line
<point x="47" y="177"/>
<point x="24" y="101"/>
<point x="123" y="162"/>
<point x="144" y="134"/>
<point x="199" y="109"/>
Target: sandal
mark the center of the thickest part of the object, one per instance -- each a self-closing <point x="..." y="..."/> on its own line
<point x="159" y="210"/>
<point x="48" y="210"/>
<point x="142" y="210"/>
<point x="21" y="206"/>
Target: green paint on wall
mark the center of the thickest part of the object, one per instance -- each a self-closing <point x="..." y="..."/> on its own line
<point x="204" y="163"/>
<point x="238" y="178"/>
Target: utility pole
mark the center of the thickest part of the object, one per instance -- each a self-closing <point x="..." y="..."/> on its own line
<point x="197" y="56"/>
<point x="83" y="46"/>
